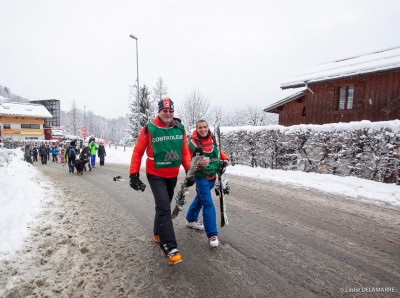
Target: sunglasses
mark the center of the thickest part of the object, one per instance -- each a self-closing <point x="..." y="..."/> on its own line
<point x="168" y="111"/>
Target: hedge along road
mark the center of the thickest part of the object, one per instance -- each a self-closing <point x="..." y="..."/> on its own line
<point x="282" y="241"/>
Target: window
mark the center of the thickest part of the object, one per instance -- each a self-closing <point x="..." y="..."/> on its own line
<point x="30" y="126"/>
<point x="346" y="95"/>
<point x="53" y="106"/>
<point x="6" y="126"/>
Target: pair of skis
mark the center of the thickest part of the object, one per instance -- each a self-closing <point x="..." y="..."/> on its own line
<point x="198" y="156"/>
<point x="221" y="186"/>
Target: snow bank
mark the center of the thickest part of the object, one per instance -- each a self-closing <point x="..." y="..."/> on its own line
<point x="22" y="192"/>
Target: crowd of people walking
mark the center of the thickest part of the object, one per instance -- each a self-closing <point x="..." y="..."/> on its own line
<point x="61" y="152"/>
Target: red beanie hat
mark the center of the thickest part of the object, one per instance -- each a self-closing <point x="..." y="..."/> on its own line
<point x="165" y="103"/>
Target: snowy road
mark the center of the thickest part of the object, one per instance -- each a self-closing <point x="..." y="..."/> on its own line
<point x="282" y="241"/>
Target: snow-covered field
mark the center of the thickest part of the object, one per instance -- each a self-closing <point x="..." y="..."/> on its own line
<point x="24" y="190"/>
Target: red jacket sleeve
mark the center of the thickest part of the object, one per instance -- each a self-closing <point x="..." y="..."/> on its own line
<point x="140" y="147"/>
<point x="223" y="156"/>
<point x="186" y="155"/>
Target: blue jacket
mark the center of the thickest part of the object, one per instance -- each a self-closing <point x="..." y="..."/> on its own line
<point x="53" y="150"/>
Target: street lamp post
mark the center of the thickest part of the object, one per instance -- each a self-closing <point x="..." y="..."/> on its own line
<point x="137" y="75"/>
<point x="84" y="124"/>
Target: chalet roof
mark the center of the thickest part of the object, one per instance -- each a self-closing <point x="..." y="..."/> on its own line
<point x="383" y="60"/>
<point x="23" y="109"/>
<point x="293" y="96"/>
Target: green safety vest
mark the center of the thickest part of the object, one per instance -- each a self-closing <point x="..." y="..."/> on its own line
<point x="212" y="169"/>
<point x="167" y="145"/>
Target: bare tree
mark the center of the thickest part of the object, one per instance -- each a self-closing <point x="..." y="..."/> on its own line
<point x="256" y="116"/>
<point x="253" y="116"/>
<point x="159" y="91"/>
<point x="90" y="123"/>
<point x="74" y="120"/>
<point x="217" y="115"/>
<point x="196" y="106"/>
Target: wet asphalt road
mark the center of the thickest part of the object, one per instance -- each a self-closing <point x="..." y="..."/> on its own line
<point x="281" y="241"/>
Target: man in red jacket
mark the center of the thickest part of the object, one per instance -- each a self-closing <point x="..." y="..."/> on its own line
<point x="165" y="142"/>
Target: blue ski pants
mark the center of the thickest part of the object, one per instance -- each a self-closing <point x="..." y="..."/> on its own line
<point x="93" y="160"/>
<point x="204" y="200"/>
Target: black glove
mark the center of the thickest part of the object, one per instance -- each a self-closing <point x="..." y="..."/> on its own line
<point x="190" y="181"/>
<point x="135" y="182"/>
<point x="117" y="178"/>
<point x="224" y="164"/>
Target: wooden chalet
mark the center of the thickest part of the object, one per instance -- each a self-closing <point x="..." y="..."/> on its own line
<point x="22" y="121"/>
<point x="365" y="87"/>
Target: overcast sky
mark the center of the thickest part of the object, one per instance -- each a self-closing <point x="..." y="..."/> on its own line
<point x="234" y="52"/>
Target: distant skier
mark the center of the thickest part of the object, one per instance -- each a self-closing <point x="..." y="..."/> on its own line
<point x="93" y="148"/>
<point x="35" y="153"/>
<point x="62" y="153"/>
<point x="54" y="152"/>
<point x="101" y="153"/>
<point x="70" y="154"/>
<point x="43" y="153"/>
<point x="28" y="153"/>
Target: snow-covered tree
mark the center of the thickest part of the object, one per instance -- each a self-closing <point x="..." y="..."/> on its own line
<point x="132" y="116"/>
<point x="147" y="106"/>
<point x="147" y="111"/>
